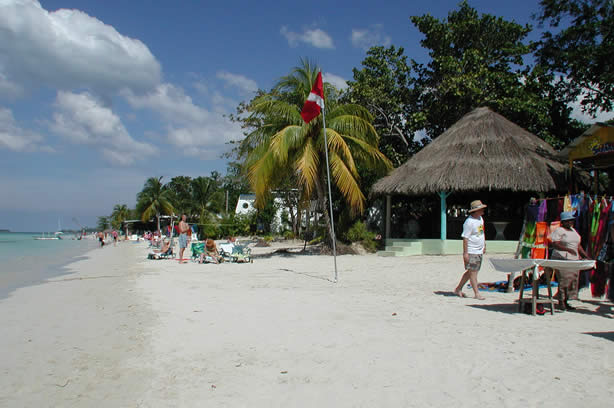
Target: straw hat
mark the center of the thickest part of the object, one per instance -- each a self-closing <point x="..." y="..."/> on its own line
<point x="210" y="243"/>
<point x="476" y="205"/>
<point x="567" y="215"/>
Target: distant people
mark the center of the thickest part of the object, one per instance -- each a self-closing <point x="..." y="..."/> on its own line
<point x="101" y="238"/>
<point x="565" y="242"/>
<point x="114" y="238"/>
<point x="183" y="237"/>
<point x="474" y="247"/>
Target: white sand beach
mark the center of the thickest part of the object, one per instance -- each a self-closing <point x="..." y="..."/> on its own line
<point x="124" y="331"/>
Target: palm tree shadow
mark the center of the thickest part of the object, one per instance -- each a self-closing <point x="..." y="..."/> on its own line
<point x="603" y="335"/>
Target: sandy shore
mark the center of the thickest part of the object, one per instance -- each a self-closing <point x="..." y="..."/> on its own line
<point x="122" y="331"/>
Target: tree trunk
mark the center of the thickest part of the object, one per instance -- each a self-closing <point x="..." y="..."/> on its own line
<point x="158" y="217"/>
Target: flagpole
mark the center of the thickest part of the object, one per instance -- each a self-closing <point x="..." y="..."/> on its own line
<point x="330" y="196"/>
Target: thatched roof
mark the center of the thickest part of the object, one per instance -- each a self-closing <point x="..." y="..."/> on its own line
<point x="482" y="151"/>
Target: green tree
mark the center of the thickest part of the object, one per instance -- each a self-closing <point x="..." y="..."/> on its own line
<point x="154" y="200"/>
<point x="284" y="144"/>
<point x="582" y="52"/>
<point x="180" y="188"/>
<point x="103" y="223"/>
<point x="206" y="195"/>
<point x="119" y="215"/>
<point x="476" y="60"/>
<point x="385" y="86"/>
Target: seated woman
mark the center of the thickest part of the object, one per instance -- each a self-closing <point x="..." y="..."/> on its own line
<point x="212" y="252"/>
<point x="166" y="250"/>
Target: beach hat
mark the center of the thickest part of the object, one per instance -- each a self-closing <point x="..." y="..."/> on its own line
<point x="567" y="215"/>
<point x="476" y="205"/>
<point x="210" y="243"/>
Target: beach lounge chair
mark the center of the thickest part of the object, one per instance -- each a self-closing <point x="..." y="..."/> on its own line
<point x="197" y="249"/>
<point x="168" y="254"/>
<point x="236" y="253"/>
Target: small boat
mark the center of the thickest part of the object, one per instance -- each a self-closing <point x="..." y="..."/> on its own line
<point x="54" y="237"/>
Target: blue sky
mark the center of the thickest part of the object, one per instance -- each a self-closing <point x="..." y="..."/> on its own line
<point x="96" y="96"/>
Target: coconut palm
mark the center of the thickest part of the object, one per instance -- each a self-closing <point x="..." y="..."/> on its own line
<point x="154" y="199"/>
<point x="283" y="144"/>
<point x="205" y="195"/>
<point x="119" y="215"/>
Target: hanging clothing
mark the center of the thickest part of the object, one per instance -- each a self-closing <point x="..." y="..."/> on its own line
<point x="567" y="203"/>
<point x="540" y="247"/>
<point x="543" y="210"/>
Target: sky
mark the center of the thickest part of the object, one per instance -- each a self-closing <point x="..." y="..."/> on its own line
<point x="97" y="96"/>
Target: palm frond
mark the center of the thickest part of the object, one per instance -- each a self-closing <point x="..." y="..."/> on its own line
<point x="307" y="166"/>
<point x="337" y="145"/>
<point x="347" y="184"/>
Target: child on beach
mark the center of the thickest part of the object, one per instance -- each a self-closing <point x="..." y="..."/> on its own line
<point x="474" y="246"/>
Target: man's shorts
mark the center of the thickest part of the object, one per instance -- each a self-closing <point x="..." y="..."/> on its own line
<point x="475" y="262"/>
<point x="183" y="240"/>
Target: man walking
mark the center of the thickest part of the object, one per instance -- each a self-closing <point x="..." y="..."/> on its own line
<point x="183" y="237"/>
<point x="474" y="246"/>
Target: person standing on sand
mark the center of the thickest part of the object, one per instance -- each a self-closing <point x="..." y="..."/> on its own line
<point x="474" y="247"/>
<point x="183" y="237"/>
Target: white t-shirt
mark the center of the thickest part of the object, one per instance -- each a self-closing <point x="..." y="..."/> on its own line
<point x="473" y="231"/>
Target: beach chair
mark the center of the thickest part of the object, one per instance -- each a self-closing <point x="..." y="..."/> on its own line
<point x="197" y="249"/>
<point x="236" y="253"/>
<point x="168" y="254"/>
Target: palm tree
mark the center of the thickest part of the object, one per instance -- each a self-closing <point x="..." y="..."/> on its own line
<point x="204" y="195"/>
<point x="119" y="215"/>
<point x="283" y="144"/>
<point x="154" y="199"/>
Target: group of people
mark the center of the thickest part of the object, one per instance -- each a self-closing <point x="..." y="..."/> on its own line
<point x="210" y="249"/>
<point x="564" y="241"/>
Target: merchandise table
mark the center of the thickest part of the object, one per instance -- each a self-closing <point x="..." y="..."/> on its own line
<point x="525" y="265"/>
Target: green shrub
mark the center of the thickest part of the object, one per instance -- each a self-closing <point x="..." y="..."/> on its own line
<point x="288" y="235"/>
<point x="359" y="233"/>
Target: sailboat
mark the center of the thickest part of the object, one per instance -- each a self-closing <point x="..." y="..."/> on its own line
<point x="56" y="236"/>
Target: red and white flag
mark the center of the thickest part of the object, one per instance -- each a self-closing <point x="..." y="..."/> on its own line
<point x="315" y="101"/>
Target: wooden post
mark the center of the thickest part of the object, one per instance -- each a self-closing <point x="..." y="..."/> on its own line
<point x="388" y="211"/>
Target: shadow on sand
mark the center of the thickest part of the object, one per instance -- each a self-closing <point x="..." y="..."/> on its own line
<point x="603" y="335"/>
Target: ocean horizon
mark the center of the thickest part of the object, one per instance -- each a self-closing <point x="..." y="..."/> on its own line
<point x="26" y="261"/>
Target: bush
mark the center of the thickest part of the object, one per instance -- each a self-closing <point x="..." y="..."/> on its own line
<point x="359" y="233"/>
<point x="288" y="235"/>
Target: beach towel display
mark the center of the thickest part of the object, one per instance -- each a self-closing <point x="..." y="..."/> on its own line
<point x="594" y="221"/>
<point x="540" y="245"/>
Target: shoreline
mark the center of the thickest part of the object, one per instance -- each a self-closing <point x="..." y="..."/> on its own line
<point x="121" y="330"/>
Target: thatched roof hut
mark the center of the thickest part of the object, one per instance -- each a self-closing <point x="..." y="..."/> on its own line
<point x="482" y="151"/>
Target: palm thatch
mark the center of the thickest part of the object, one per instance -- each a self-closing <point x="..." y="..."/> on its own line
<point x="482" y="151"/>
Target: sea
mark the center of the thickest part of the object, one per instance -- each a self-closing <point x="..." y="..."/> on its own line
<point x="25" y="261"/>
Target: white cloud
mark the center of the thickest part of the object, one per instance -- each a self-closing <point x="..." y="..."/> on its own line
<point x="82" y="119"/>
<point x="193" y="129"/>
<point x="244" y="84"/>
<point x="369" y="37"/>
<point x="335" y="80"/>
<point x="13" y="137"/>
<point x="314" y="37"/>
<point x="69" y="49"/>
<point x="170" y="101"/>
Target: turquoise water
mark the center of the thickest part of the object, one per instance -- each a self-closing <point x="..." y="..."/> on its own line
<point x="25" y="261"/>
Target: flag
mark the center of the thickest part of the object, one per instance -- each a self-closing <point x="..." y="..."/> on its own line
<point x="315" y="101"/>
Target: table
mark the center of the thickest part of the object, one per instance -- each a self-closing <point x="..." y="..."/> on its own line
<point x="524" y="265"/>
